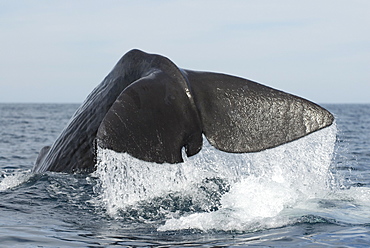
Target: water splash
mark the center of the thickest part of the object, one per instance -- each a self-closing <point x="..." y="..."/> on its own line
<point x="14" y="179"/>
<point x="261" y="188"/>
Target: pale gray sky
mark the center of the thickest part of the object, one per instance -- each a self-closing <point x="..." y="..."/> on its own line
<point x="58" y="51"/>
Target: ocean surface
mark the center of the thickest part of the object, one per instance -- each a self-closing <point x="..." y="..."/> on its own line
<point x="313" y="192"/>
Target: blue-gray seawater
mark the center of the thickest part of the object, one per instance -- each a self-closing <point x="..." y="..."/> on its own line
<point x="314" y="192"/>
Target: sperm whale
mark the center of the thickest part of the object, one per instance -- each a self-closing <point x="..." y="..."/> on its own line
<point x="152" y="109"/>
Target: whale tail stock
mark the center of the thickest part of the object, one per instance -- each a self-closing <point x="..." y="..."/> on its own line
<point x="151" y="109"/>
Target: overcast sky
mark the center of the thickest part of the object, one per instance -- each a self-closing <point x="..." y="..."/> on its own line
<point x="58" y="51"/>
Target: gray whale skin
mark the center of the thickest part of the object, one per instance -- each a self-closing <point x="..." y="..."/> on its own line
<point x="151" y="109"/>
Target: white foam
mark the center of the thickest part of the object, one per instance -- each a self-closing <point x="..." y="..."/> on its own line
<point x="264" y="186"/>
<point x="13" y="180"/>
<point x="351" y="206"/>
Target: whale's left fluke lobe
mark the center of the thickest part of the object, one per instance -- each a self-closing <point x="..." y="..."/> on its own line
<point x="151" y="109"/>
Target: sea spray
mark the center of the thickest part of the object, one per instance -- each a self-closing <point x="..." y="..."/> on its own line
<point x="255" y="190"/>
<point x="286" y="176"/>
<point x="14" y="179"/>
<point x="125" y="181"/>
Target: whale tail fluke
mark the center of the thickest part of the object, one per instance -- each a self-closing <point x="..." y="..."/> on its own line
<point x="167" y="110"/>
<point x="151" y="109"/>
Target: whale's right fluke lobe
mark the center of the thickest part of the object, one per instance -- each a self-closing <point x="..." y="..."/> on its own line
<point x="239" y="115"/>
